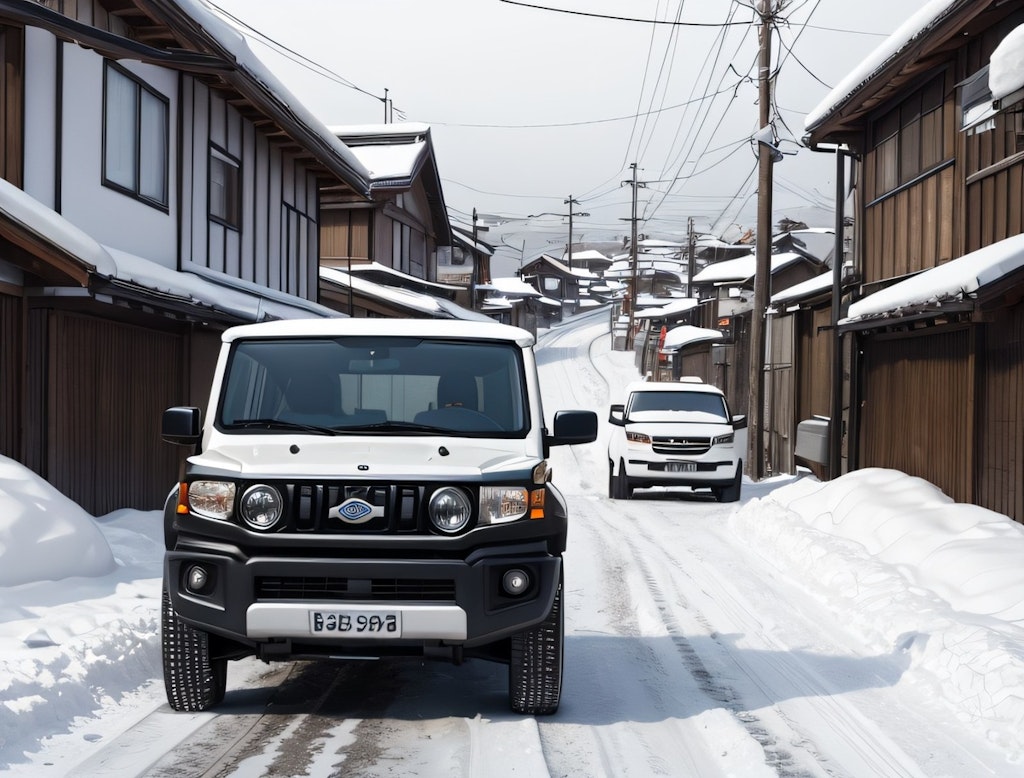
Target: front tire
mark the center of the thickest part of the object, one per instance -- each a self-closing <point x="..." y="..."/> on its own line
<point x="615" y="484"/>
<point x="535" y="664"/>
<point x="193" y="679"/>
<point x="731" y="493"/>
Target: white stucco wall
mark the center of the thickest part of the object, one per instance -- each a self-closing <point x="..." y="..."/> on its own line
<point x="112" y="218"/>
<point x="40" y="115"/>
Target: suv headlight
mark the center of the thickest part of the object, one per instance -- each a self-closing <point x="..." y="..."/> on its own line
<point x="212" y="499"/>
<point x="261" y="507"/>
<point x="638" y="437"/>
<point x="499" y="504"/>
<point x="720" y="439"/>
<point x="449" y="509"/>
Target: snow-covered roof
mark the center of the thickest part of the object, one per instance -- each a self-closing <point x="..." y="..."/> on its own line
<point x="576" y="271"/>
<point x="809" y="288"/>
<point x="673" y="308"/>
<point x="376" y="268"/>
<point x="685" y="334"/>
<point x="146" y="276"/>
<point x="510" y="285"/>
<point x="588" y="255"/>
<point x="228" y="36"/>
<point x="743" y="268"/>
<point x="913" y="28"/>
<point x="435" y="307"/>
<point x="955" y="280"/>
<point x="1006" y="66"/>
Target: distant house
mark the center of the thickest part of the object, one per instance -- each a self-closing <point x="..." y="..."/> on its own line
<point x="558" y="281"/>
<point x="931" y="338"/>
<point x="404" y="224"/>
<point x="726" y="291"/>
<point x="159" y="185"/>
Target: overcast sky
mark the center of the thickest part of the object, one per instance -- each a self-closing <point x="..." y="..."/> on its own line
<point x="529" y="106"/>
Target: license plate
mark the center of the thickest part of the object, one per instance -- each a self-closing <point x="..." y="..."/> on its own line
<point x="680" y="467"/>
<point x="356" y="623"/>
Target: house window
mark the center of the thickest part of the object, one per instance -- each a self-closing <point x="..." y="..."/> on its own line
<point x="908" y="140"/>
<point x="135" y="137"/>
<point x="225" y="203"/>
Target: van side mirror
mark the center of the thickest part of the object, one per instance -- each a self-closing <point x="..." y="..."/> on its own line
<point x="572" y="427"/>
<point x="616" y="415"/>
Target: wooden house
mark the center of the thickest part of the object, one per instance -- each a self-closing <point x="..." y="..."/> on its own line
<point x="556" y="280"/>
<point x="934" y="128"/>
<point x="159" y="185"/>
<point x="404" y="225"/>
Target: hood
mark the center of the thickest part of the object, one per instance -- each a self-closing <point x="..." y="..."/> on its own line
<point x="364" y="457"/>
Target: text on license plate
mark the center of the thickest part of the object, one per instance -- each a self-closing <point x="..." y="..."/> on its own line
<point x="680" y="467"/>
<point x="356" y="623"/>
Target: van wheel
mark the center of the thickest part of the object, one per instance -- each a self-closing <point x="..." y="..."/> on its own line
<point x="193" y="680"/>
<point x="535" y="664"/>
<point x="616" y="488"/>
<point x="731" y="493"/>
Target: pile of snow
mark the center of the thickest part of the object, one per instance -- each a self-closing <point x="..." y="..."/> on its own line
<point x="910" y="570"/>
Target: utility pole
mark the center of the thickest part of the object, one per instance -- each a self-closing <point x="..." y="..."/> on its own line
<point x="762" y="276"/>
<point x="632" y="256"/>
<point x="691" y="256"/>
<point x="570" y="202"/>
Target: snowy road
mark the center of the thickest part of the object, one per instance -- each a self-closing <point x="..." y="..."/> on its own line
<point x="686" y="655"/>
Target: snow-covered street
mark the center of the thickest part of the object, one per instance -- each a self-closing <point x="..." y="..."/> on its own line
<point x="866" y="627"/>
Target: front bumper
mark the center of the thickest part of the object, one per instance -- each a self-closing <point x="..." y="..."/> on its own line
<point x="261" y="599"/>
<point x="675" y="472"/>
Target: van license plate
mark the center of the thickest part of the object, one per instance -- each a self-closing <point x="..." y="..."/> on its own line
<point x="680" y="467"/>
<point x="356" y="623"/>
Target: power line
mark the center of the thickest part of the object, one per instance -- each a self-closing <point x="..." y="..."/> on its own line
<point x="613" y="18"/>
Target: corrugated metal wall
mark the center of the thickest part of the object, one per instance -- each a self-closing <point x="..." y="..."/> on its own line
<point x="107" y="386"/>
<point x="917" y="407"/>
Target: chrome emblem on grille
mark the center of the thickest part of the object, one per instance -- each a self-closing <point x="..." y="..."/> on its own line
<point x="355" y="511"/>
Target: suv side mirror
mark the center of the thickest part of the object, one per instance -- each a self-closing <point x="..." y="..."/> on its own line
<point x="739" y="422"/>
<point x="616" y="415"/>
<point x="181" y="426"/>
<point x="572" y="427"/>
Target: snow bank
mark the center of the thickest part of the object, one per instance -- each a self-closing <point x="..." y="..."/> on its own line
<point x="63" y="538"/>
<point x="911" y="572"/>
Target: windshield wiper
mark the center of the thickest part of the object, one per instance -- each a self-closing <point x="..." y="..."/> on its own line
<point x="396" y="426"/>
<point x="282" y="424"/>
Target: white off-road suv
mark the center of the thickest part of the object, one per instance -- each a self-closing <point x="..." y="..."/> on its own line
<point x="675" y="434"/>
<point x="363" y="488"/>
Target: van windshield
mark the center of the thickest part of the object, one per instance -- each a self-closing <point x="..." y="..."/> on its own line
<point x="677" y="406"/>
<point x="380" y="385"/>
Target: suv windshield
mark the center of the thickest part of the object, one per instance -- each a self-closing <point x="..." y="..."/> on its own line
<point x="378" y="385"/>
<point x="677" y="406"/>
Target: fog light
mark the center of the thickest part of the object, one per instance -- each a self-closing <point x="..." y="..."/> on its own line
<point x="196" y="579"/>
<point x="515" y="582"/>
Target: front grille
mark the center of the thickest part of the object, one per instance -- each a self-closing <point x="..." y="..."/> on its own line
<point x="383" y="509"/>
<point x="680" y="446"/>
<point x="349" y="589"/>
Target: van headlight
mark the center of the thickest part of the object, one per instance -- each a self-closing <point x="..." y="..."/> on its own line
<point x="261" y="507"/>
<point x="212" y="499"/>
<point x="449" y="509"/>
<point x="721" y="439"/>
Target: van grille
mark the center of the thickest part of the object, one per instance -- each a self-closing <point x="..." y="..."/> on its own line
<point x="680" y="446"/>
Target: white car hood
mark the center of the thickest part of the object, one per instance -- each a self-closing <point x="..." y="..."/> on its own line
<point x="288" y="456"/>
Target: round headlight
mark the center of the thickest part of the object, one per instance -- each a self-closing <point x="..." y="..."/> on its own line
<point x="261" y="506"/>
<point x="449" y="509"/>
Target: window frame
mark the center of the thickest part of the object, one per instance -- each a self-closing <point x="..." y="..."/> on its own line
<point x="232" y="215"/>
<point x="141" y="141"/>
<point x="900" y="153"/>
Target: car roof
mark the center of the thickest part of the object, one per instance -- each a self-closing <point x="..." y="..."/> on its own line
<point x="672" y="386"/>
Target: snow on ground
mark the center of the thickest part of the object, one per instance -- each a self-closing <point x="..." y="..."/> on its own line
<point x="900" y="564"/>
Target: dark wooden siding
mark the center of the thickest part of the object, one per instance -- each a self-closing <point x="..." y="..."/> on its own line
<point x="917" y="407"/>
<point x="107" y="387"/>
<point x="11" y="334"/>
<point x="12" y="56"/>
<point x="995" y="204"/>
<point x="1000" y="467"/>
